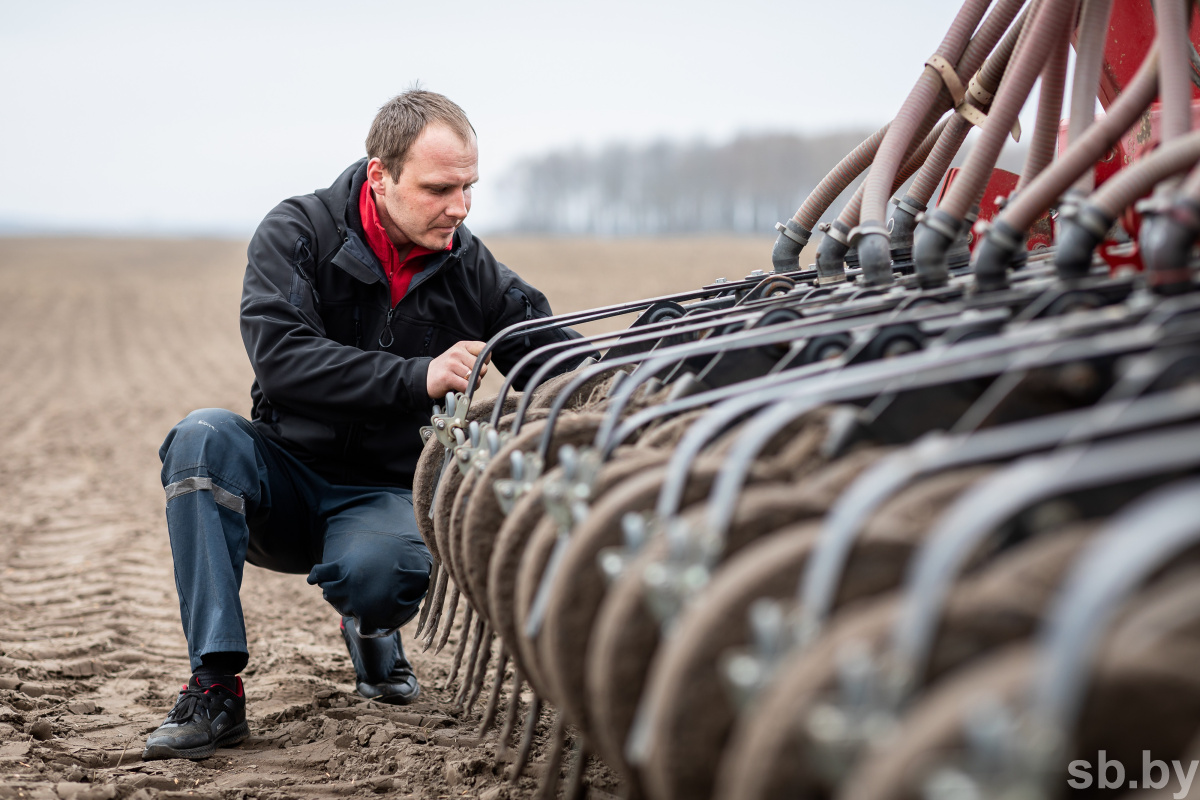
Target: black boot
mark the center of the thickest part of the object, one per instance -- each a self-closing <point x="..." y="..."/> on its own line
<point x="203" y="719"/>
<point x="382" y="671"/>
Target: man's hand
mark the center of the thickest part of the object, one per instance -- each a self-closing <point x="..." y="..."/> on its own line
<point x="449" y="371"/>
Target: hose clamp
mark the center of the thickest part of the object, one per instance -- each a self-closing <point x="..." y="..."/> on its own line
<point x="1004" y="236"/>
<point x="836" y="235"/>
<point x="794" y="231"/>
<point x="1094" y="220"/>
<point x="866" y="230"/>
<point x="909" y="206"/>
<point x="942" y="223"/>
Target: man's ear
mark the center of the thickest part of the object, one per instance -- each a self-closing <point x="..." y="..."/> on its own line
<point x="375" y="175"/>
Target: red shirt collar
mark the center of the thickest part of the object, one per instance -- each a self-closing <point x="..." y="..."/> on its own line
<point x="400" y="272"/>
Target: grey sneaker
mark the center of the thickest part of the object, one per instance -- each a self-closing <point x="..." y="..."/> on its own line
<point x="203" y="719"/>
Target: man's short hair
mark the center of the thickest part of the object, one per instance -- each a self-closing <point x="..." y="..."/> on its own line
<point x="401" y="120"/>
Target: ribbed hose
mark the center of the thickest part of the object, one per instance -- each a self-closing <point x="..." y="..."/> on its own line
<point x="978" y="54"/>
<point x="1049" y="111"/>
<point x="1087" y="226"/>
<point x="1043" y="33"/>
<point x="939" y="228"/>
<point x="838" y="179"/>
<point x="1089" y="59"/>
<point x="1176" y="82"/>
<point x="988" y="77"/>
<point x="795" y="234"/>
<point x="1092" y="144"/>
<point x="831" y="253"/>
<point x="850" y="214"/>
<point x="874" y="248"/>
<point x="1191" y="186"/>
<point x="919" y="103"/>
<point x="939" y="160"/>
<point x="1169" y="159"/>
<point x="1006" y="233"/>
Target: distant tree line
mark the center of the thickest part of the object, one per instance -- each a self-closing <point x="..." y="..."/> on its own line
<point x="743" y="186"/>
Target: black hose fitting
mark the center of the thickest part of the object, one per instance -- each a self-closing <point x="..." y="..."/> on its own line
<point x="874" y="244"/>
<point x="1000" y="250"/>
<point x="904" y="223"/>
<point x="785" y="255"/>
<point x="936" y="231"/>
<point x="831" y="254"/>
<point x="1079" y="231"/>
<point x="1166" y="242"/>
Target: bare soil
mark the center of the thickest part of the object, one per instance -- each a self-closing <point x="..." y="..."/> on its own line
<point x="104" y="345"/>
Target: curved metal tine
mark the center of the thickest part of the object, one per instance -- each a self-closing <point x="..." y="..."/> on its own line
<point x="978" y="513"/>
<point x="700" y="322"/>
<point x="599" y="340"/>
<point x="859" y="381"/>
<point x="683" y="325"/>
<point x="941" y="453"/>
<point x="697" y="437"/>
<point x="1131" y="547"/>
<point x="645" y="334"/>
<point x="660" y="360"/>
<point x="1000" y="389"/>
<point x="1128" y="388"/>
<point x="1143" y="373"/>
<point x="967" y="359"/>
<point x="964" y="361"/>
<point x="788" y="330"/>
<point x="603" y="312"/>
<point x="728" y="486"/>
<point x="1172" y="309"/>
<point x="613" y="431"/>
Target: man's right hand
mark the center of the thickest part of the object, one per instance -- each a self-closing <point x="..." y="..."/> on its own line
<point x="449" y="371"/>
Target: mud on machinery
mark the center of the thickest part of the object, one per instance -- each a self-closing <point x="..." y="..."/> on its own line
<point x="917" y="521"/>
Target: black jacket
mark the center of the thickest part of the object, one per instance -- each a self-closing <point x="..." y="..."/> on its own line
<point x="340" y="373"/>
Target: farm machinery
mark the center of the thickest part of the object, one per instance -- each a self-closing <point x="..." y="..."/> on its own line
<point x="919" y="520"/>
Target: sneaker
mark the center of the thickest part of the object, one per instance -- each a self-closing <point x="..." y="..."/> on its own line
<point x="202" y="720"/>
<point x="382" y="671"/>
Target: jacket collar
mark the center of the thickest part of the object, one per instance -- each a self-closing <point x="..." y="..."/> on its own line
<point x="354" y="256"/>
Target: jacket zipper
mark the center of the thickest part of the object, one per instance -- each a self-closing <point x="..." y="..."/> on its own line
<point x="300" y="254"/>
<point x="428" y="339"/>
<point x="357" y="327"/>
<point x="387" y="331"/>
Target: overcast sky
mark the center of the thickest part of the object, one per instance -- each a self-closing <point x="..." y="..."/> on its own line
<point x="197" y="118"/>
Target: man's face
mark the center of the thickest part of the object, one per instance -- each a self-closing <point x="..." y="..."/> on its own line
<point x="432" y="195"/>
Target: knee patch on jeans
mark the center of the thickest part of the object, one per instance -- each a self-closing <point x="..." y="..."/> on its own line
<point x="209" y="443"/>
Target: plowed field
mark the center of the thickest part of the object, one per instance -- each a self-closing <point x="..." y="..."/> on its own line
<point x="104" y="345"/>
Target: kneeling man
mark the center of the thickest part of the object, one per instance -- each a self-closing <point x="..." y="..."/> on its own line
<point x="362" y="304"/>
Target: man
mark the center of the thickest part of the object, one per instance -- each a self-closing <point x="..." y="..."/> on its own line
<point x="362" y="304"/>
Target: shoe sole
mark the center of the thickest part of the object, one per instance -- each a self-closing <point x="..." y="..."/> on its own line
<point x="231" y="737"/>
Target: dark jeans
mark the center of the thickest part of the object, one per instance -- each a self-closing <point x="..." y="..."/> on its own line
<point x="235" y="496"/>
